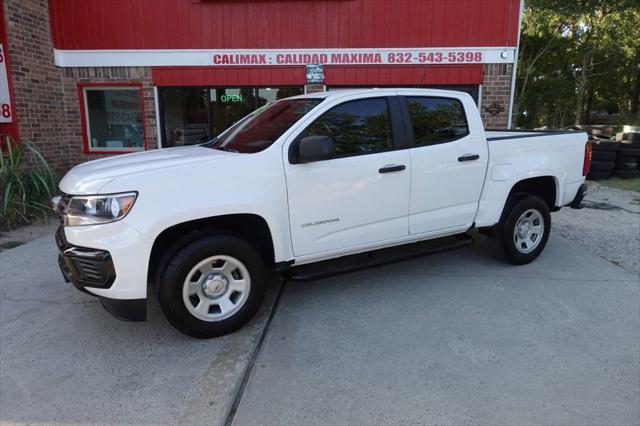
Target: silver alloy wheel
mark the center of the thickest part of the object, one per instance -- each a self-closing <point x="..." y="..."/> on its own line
<point x="528" y="231"/>
<point x="216" y="288"/>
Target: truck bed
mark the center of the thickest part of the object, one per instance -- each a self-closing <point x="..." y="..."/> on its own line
<point x="500" y="134"/>
<point x="515" y="155"/>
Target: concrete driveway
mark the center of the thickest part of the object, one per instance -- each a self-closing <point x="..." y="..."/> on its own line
<point x="456" y="338"/>
<point x="63" y="358"/>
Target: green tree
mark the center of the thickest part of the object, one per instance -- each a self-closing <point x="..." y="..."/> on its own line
<point x="575" y="57"/>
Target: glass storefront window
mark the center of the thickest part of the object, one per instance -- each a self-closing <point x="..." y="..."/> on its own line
<point x="192" y="115"/>
<point x="186" y="116"/>
<point x="229" y="105"/>
<point x="113" y="117"/>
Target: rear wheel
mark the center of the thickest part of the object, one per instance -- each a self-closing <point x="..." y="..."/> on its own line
<point x="523" y="230"/>
<point x="213" y="286"/>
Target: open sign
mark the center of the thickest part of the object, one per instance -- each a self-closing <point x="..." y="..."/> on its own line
<point x="231" y="98"/>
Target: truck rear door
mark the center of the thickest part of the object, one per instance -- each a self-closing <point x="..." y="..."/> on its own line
<point x="449" y="158"/>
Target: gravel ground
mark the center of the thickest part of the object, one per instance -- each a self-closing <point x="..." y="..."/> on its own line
<point x="608" y="225"/>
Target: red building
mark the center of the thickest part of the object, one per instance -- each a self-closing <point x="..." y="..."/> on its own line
<point x="87" y="78"/>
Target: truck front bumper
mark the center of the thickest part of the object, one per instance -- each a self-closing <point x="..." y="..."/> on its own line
<point x="92" y="269"/>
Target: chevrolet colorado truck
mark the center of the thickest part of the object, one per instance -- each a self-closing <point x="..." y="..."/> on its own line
<point x="308" y="186"/>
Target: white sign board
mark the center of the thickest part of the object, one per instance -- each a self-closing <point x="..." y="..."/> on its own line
<point x="6" y="115"/>
<point x="315" y="73"/>
<point x="285" y="57"/>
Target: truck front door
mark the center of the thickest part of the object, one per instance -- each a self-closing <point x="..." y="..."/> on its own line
<point x="359" y="196"/>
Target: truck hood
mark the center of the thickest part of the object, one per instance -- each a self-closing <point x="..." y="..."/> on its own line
<point x="90" y="177"/>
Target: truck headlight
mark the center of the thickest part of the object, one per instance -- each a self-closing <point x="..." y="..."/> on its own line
<point x="97" y="209"/>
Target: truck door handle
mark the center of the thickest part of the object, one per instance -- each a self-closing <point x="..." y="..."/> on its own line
<point x="392" y="168"/>
<point x="468" y="157"/>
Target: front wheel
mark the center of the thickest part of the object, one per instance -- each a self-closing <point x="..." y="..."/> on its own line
<point x="523" y="230"/>
<point x="213" y="286"/>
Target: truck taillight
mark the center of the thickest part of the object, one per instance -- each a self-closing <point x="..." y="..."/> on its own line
<point x="587" y="159"/>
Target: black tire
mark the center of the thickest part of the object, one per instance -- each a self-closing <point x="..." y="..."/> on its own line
<point x="602" y="131"/>
<point x="634" y="137"/>
<point x="502" y="237"/>
<point x="173" y="279"/>
<point x="630" y="152"/>
<point x="605" y="145"/>
<point x="602" y="166"/>
<point x="600" y="138"/>
<point x="626" y="163"/>
<point x="603" y="155"/>
<point x="630" y="144"/>
<point x="627" y="174"/>
<point x="599" y="175"/>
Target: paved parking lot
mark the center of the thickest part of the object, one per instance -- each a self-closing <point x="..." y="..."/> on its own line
<point x="455" y="338"/>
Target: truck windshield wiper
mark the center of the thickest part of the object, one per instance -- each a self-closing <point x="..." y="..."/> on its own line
<point x="212" y="144"/>
<point x="224" y="148"/>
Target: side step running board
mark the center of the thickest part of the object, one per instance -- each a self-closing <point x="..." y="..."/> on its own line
<point x="355" y="262"/>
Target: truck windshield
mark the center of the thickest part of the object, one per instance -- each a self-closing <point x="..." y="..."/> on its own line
<point x="258" y="130"/>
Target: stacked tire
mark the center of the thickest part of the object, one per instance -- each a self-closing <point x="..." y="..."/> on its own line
<point x="603" y="158"/>
<point x="627" y="164"/>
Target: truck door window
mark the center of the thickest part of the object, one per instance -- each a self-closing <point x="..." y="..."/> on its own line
<point x="436" y="120"/>
<point x="356" y="127"/>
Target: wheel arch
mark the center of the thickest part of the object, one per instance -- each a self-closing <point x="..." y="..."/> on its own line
<point x="546" y="187"/>
<point x="251" y="227"/>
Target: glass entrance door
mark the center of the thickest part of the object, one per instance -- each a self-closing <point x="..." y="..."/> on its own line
<point x="185" y="116"/>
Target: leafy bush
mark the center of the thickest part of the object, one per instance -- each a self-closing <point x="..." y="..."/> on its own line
<point x="26" y="184"/>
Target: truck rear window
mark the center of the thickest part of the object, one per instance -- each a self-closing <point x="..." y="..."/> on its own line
<point x="436" y="120"/>
<point x="260" y="129"/>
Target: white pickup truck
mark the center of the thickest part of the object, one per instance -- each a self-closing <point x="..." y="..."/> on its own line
<point x="308" y="186"/>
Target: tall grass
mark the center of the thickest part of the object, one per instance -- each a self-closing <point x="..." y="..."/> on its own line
<point x="26" y="184"/>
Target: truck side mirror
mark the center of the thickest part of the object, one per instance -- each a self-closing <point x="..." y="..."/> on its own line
<point x="314" y="148"/>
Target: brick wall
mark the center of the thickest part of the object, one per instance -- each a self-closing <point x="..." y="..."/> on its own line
<point x="496" y="90"/>
<point x="46" y="96"/>
<point x="73" y="76"/>
<point x="36" y="81"/>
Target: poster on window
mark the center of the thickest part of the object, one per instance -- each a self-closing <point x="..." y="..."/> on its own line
<point x="123" y="107"/>
<point x="6" y="115"/>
